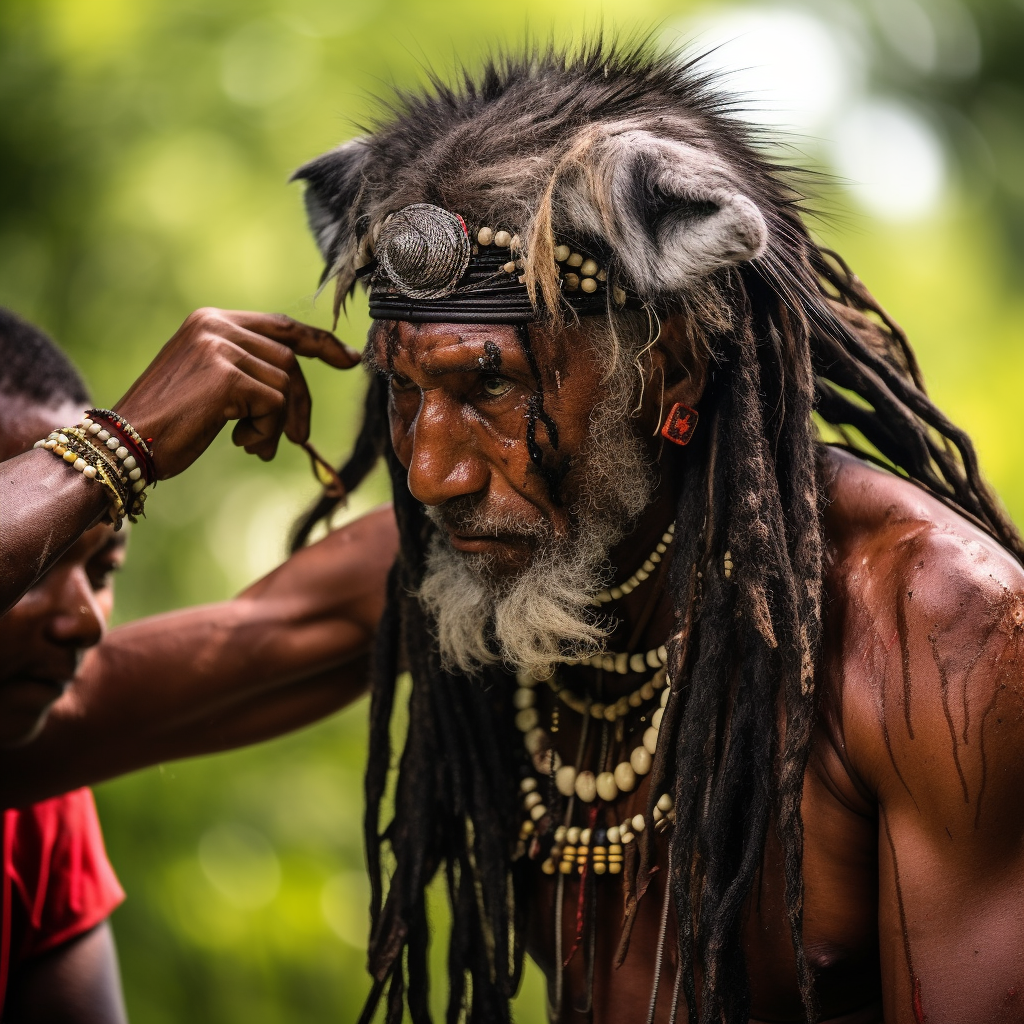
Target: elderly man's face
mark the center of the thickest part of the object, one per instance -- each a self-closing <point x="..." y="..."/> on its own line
<point x="463" y="400"/>
<point x="529" y="462"/>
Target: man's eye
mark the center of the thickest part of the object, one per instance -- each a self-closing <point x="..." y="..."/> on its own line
<point x="400" y="383"/>
<point x="495" y="387"/>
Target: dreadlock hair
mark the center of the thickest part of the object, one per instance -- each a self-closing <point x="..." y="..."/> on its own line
<point x="788" y="334"/>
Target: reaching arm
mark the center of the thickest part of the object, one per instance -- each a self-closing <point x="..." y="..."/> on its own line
<point x="220" y="366"/>
<point x="76" y="983"/>
<point x="289" y="650"/>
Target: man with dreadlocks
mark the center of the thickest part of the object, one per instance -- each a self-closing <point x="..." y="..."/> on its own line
<point x="715" y="721"/>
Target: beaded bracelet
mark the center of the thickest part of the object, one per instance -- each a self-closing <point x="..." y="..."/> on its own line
<point x="120" y="461"/>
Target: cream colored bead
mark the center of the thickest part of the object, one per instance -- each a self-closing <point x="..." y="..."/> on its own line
<point x="589" y="268"/>
<point x="588" y="285"/>
<point x="62" y="438"/>
<point x="537" y="812"/>
<point x="95" y="428"/>
<point x="502" y="239"/>
<point x="606" y="787"/>
<point x="651" y="657"/>
<point x="526" y="719"/>
<point x="621" y="707"/>
<point x="640" y="761"/>
<point x="524" y="678"/>
<point x="510" y="267"/>
<point x="615" y="593"/>
<point x="625" y="777"/>
<point x="528" y="785"/>
<point x="659" y="679"/>
<point x="622" y="663"/>
<point x="657" y="815"/>
<point x="602" y="275"/>
<point x="70" y="457"/>
<point x="112" y="443"/>
<point x="560" y="834"/>
<point x="122" y="453"/>
<point x="662" y="655"/>
<point x="534" y="741"/>
<point x="135" y="474"/>
<point x="532" y="799"/>
<point x="619" y="296"/>
<point x="39" y="444"/>
<point x="648" y="566"/>
<point x="562" y="253"/>
<point x="642" y="574"/>
<point x="485" y="236"/>
<point x="585" y="836"/>
<point x="647" y="690"/>
<point x="610" y="712"/>
<point x="572" y="282"/>
<point x="638" y="823"/>
<point x="572" y="837"/>
<point x="627" y="838"/>
<point x="597" y="711"/>
<point x="614" y="834"/>
<point x="657" y="717"/>
<point x="661" y="548"/>
<point x="575" y="260"/>
<point x="586" y="786"/>
<point x="664" y="697"/>
<point x="523" y="698"/>
<point x="636" y="662"/>
<point x="102" y="435"/>
<point x="665" y="802"/>
<point x="50" y="445"/>
<point x="515" y="242"/>
<point x="139" y="485"/>
<point x="635" y="699"/>
<point x="80" y="464"/>
<point x="89" y="472"/>
<point x="608" y="662"/>
<point x="565" y="780"/>
<point x="655" y="558"/>
<point x="651" y="740"/>
<point x="129" y="462"/>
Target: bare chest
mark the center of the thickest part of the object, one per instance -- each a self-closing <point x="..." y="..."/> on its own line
<point x="577" y="921"/>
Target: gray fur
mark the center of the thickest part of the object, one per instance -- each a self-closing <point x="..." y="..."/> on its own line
<point x="637" y="162"/>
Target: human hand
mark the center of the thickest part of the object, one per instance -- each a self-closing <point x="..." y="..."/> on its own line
<point x="226" y="365"/>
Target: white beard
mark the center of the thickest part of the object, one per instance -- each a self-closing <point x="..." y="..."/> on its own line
<point x="542" y="616"/>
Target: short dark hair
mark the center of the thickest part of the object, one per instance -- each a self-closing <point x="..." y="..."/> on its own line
<point x="32" y="365"/>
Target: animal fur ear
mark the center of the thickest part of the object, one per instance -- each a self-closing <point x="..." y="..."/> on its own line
<point x="333" y="182"/>
<point x="673" y="212"/>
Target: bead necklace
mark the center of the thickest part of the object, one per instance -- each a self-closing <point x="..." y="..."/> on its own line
<point x="622" y="662"/>
<point x="616" y="593"/>
<point x="524" y="698"/>
<point x="585" y="785"/>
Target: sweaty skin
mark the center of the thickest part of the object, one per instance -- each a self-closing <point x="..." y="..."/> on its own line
<point x="913" y="849"/>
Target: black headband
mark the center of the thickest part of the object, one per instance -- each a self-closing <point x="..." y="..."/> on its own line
<point x="429" y="268"/>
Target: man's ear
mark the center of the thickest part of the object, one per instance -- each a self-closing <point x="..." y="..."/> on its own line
<point x="672" y="212"/>
<point x="678" y="373"/>
<point x="333" y="182"/>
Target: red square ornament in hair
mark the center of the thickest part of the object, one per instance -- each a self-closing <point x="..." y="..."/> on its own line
<point x="680" y="424"/>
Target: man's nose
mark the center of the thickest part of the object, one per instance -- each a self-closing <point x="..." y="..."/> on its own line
<point x="76" y="618"/>
<point x="446" y="461"/>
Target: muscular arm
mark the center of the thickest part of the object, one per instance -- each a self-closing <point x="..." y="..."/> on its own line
<point x="76" y="983"/>
<point x="45" y="506"/>
<point x="289" y="650"/>
<point x="933" y="709"/>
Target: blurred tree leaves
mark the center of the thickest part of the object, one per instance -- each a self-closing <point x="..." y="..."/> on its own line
<point x="145" y="147"/>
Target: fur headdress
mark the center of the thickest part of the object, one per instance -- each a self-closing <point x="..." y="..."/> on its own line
<point x="618" y="155"/>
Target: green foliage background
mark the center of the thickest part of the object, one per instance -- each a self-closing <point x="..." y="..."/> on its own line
<point x="144" y="151"/>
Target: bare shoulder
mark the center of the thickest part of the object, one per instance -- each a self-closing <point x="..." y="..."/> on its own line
<point x="925" y="641"/>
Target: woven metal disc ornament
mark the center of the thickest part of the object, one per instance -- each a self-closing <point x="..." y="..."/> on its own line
<point x="423" y="251"/>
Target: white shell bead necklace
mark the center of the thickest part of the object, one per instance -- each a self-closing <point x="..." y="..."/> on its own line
<point x="524" y="699"/>
<point x="617" y="593"/>
<point x="586" y="785"/>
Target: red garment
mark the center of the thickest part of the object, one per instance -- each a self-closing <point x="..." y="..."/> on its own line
<point x="57" y="881"/>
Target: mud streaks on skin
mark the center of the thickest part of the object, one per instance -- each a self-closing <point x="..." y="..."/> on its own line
<point x="944" y="688"/>
<point x="883" y="717"/>
<point x="915" y="982"/>
<point x="902" y="633"/>
<point x="553" y="475"/>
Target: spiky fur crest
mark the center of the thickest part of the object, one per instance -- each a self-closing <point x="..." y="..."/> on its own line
<point x="633" y="149"/>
